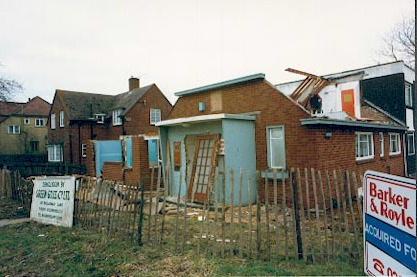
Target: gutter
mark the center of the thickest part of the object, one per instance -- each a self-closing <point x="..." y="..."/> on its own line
<point x="346" y="123"/>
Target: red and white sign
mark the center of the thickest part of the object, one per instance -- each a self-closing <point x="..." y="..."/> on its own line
<point x="391" y="199"/>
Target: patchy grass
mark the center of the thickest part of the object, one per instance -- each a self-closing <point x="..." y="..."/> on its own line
<point x="12" y="209"/>
<point x="32" y="249"/>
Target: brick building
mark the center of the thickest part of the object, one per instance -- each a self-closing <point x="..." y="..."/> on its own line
<point x="82" y="122"/>
<point x="23" y="127"/>
<point x="261" y="128"/>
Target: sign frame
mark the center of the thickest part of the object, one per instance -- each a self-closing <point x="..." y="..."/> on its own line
<point x="392" y="205"/>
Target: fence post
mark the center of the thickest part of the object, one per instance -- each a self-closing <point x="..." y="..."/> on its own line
<point x="142" y="191"/>
<point x="297" y="215"/>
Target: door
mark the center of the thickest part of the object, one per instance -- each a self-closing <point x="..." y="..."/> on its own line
<point x="348" y="102"/>
<point x="204" y="164"/>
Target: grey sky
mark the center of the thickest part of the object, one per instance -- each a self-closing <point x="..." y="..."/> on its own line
<point x="95" y="46"/>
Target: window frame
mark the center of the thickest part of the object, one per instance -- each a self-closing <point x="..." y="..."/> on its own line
<point x="269" y="148"/>
<point x="61" y="119"/>
<point x="100" y="117"/>
<point x="83" y="150"/>
<point x="26" y="120"/>
<point x="40" y="119"/>
<point x="32" y="143"/>
<point x="116" y="117"/>
<point x="408" y="91"/>
<point x="372" y="146"/>
<point x="53" y="121"/>
<point x="391" y="153"/>
<point x="14" y="128"/>
<point x="55" y="152"/>
<point x="413" y="144"/>
<point x="152" y="115"/>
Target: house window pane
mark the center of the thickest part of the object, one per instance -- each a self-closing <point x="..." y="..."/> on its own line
<point x="34" y="146"/>
<point x="408" y="95"/>
<point x="61" y="119"/>
<point x="39" y="122"/>
<point x="27" y="121"/>
<point x="117" y="120"/>
<point x="13" y="129"/>
<point x="411" y="144"/>
<point x="381" y="141"/>
<point x="395" y="144"/>
<point x="55" y="153"/>
<point x="364" y="146"/>
<point x="155" y="116"/>
<point x="276" y="147"/>
<point x="53" y="122"/>
<point x="83" y="150"/>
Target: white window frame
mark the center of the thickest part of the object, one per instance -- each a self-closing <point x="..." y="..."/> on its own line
<point x="154" y="116"/>
<point x="117" y="120"/>
<point x="269" y="147"/>
<point x="83" y="150"/>
<point x="37" y="120"/>
<point x="381" y="144"/>
<point x="53" y="121"/>
<point x="357" y="148"/>
<point x="56" y="155"/>
<point x="27" y="120"/>
<point x="397" y="135"/>
<point x="15" y="129"/>
<point x="408" y="94"/>
<point x="100" y="117"/>
<point x="411" y="153"/>
<point x="61" y="119"/>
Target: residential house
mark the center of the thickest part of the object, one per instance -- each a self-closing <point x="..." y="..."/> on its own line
<point x="247" y="124"/>
<point x="389" y="88"/>
<point x="102" y="132"/>
<point x="23" y="127"/>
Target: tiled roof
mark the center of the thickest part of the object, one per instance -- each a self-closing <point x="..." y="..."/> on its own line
<point x="34" y="107"/>
<point x="83" y="105"/>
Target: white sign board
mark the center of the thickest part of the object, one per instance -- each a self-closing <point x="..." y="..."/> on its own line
<point x="389" y="224"/>
<point x="53" y="200"/>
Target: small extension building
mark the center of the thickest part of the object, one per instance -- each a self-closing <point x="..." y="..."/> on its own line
<point x="247" y="124"/>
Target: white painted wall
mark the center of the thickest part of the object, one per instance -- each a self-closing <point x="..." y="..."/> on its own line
<point x="409" y="115"/>
<point x="332" y="97"/>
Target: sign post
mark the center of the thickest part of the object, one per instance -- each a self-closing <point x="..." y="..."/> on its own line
<point x="53" y="200"/>
<point x="389" y="225"/>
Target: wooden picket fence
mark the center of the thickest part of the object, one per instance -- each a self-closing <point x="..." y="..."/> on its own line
<point x="310" y="215"/>
<point x="14" y="186"/>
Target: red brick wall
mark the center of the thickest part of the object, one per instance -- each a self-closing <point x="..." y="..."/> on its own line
<point x="113" y="171"/>
<point x="305" y="147"/>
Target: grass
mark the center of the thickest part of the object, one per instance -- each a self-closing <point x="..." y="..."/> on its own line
<point x="32" y="249"/>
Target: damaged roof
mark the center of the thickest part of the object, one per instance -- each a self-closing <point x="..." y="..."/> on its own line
<point x="84" y="105"/>
<point x="34" y="107"/>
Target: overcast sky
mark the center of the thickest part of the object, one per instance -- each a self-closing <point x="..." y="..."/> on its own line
<point x="95" y="46"/>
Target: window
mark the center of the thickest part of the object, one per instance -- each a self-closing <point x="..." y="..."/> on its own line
<point x="117" y="120"/>
<point x="276" y="147"/>
<point x="381" y="141"/>
<point x="61" y="119"/>
<point x="13" y="129"/>
<point x="27" y="120"/>
<point x="153" y="155"/>
<point x="364" y="146"/>
<point x="100" y="118"/>
<point x="53" y="122"/>
<point x="408" y="95"/>
<point x="55" y="153"/>
<point x="83" y="150"/>
<point x="155" y="116"/>
<point x="394" y="144"/>
<point x="40" y="122"/>
<point x="411" y="144"/>
<point x="34" y="146"/>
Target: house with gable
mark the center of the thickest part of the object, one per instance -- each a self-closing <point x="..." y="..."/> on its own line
<point x="247" y="124"/>
<point x="23" y="127"/>
<point x="109" y="134"/>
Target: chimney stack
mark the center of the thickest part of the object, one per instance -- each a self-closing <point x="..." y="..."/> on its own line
<point x="133" y="83"/>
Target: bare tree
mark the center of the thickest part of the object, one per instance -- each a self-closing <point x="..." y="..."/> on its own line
<point x="399" y="44"/>
<point x="8" y="88"/>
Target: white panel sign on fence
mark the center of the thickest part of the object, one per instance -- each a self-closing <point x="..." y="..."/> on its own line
<point x="53" y="200"/>
<point x="389" y="224"/>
